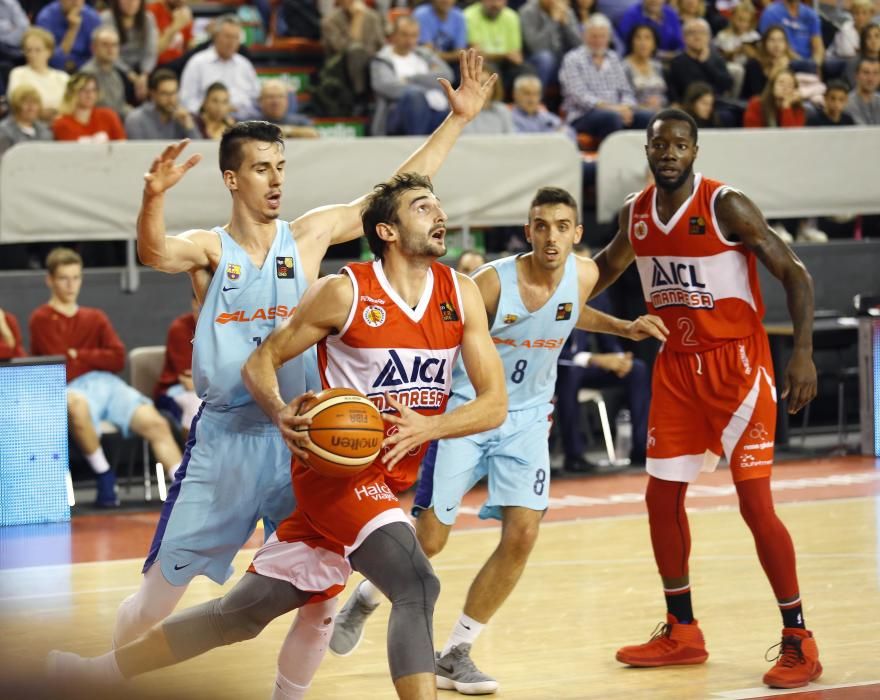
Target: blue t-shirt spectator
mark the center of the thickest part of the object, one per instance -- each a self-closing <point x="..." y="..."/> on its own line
<point x="53" y="19"/>
<point x="668" y="29"/>
<point x="444" y="35"/>
<point x="799" y="30"/>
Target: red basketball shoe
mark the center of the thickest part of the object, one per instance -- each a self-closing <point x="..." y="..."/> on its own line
<point x="672" y="644"/>
<point x="798" y="661"/>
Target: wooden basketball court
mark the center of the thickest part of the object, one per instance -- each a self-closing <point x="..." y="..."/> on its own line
<point x="590" y="587"/>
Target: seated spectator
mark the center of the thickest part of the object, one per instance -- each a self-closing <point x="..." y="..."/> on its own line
<point x="442" y="28"/>
<point x="494" y="30"/>
<point x="597" y="96"/>
<point x="275" y="100"/>
<point x="801" y="25"/>
<point x="215" y="114"/>
<point x="174" y="24"/>
<point x="697" y="63"/>
<point x="38" y="45"/>
<point x="10" y="337"/>
<point x="404" y="78"/>
<point x="162" y="117"/>
<point x="661" y="18"/>
<point x="469" y="260"/>
<point x="834" y="111"/>
<point x="355" y="33"/>
<point x="23" y="122"/>
<point x="94" y="354"/>
<point x="699" y="102"/>
<point x="846" y="41"/>
<point x="778" y="105"/>
<point x="222" y="63"/>
<point x="529" y="115"/>
<point x="115" y="81"/>
<point x="774" y="55"/>
<point x="80" y="119"/>
<point x="175" y="393"/>
<point x="138" y="40"/>
<point x="864" y="102"/>
<point x="495" y="117"/>
<point x="549" y="31"/>
<point x="738" y="42"/>
<point x="643" y="70"/>
<point x="599" y="362"/>
<point x="13" y="24"/>
<point x="869" y="47"/>
<point x="583" y="10"/>
<point x="71" y="23"/>
<point x="699" y="9"/>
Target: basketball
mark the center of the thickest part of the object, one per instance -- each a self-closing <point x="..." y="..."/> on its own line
<point x="346" y="432"/>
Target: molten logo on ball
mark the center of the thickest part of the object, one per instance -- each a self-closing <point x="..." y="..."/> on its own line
<point x="364" y="443"/>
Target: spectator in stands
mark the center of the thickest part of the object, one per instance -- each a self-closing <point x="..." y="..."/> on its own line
<point x="530" y="116"/>
<point x="355" y="33"/>
<point x="71" y="23"/>
<point x="495" y="117"/>
<point x="834" y="111"/>
<point x="38" y="45"/>
<point x="275" y="101"/>
<point x="23" y="122"/>
<point x="13" y="24"/>
<point x="215" y="114"/>
<point x="115" y="81"/>
<point x="549" y="31"/>
<point x="738" y="42"/>
<point x="404" y="77"/>
<point x="221" y="62"/>
<point x="80" y="119"/>
<point x="774" y="55"/>
<point x="864" y="102"/>
<point x="609" y="366"/>
<point x="697" y="63"/>
<point x="174" y="23"/>
<point x="643" y="70"/>
<point x="846" y="41"/>
<point x="699" y="9"/>
<point x="597" y="96"/>
<point x="494" y="30"/>
<point x="174" y="392"/>
<point x="469" y="260"/>
<point x="162" y="117"/>
<point x="801" y="25"/>
<point x="869" y="47"/>
<point x="778" y="105"/>
<point x="442" y="28"/>
<point x="94" y="354"/>
<point x="583" y="10"/>
<point x="661" y="18"/>
<point x="10" y="337"/>
<point x="138" y="40"/>
<point x="699" y="102"/>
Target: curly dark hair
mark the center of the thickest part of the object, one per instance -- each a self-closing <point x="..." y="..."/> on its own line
<point x="381" y="206"/>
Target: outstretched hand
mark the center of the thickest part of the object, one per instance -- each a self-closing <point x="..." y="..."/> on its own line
<point x="472" y="92"/>
<point x="647" y="326"/>
<point x="164" y="173"/>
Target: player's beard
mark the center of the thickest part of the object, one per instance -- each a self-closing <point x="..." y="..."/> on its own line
<point x="427" y="247"/>
<point x="674" y="184"/>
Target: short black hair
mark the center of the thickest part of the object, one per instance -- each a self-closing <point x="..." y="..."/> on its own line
<point x="159" y="76"/>
<point x="381" y="206"/>
<point x="838" y="85"/>
<point x="862" y="60"/>
<point x="675" y="115"/>
<point x="252" y="130"/>
<point x="554" y="195"/>
<point x="632" y="35"/>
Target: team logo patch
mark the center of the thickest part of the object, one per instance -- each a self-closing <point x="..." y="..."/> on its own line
<point x="697" y="226"/>
<point x="448" y="312"/>
<point x="510" y="318"/>
<point x="233" y="271"/>
<point x="640" y="230"/>
<point x="374" y="316"/>
<point x="563" y="311"/>
<point x="284" y="268"/>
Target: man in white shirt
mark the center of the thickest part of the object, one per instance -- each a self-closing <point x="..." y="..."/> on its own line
<point x="222" y="63"/>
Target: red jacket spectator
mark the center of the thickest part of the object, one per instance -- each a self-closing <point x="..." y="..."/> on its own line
<point x="178" y="352"/>
<point x="788" y="116"/>
<point x="175" y="18"/>
<point x="88" y="333"/>
<point x="103" y="120"/>
<point x="10" y="337"/>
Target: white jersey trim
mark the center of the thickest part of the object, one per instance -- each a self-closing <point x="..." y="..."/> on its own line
<point x="354" y="299"/>
<point x="458" y="294"/>
<point x="723" y="188"/>
<point x="414" y="314"/>
<point x="667" y="227"/>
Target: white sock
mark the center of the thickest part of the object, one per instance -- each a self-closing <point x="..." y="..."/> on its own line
<point x="303" y="648"/>
<point x="466" y="631"/>
<point x="368" y="593"/>
<point x="98" y="461"/>
<point x="101" y="670"/>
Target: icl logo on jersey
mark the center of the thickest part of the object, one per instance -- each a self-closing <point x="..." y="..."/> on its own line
<point x="684" y="276"/>
<point x="395" y="373"/>
<point x="412" y="379"/>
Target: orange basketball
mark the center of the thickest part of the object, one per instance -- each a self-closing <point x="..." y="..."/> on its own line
<point x="346" y="432"/>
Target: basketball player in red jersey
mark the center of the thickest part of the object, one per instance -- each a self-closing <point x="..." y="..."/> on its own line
<point x="696" y="242"/>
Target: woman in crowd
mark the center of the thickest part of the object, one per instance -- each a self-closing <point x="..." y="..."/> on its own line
<point x="23" y="122"/>
<point x="848" y="38"/>
<point x="38" y="46"/>
<point x="582" y="11"/>
<point x="215" y="114"/>
<point x="138" y="40"/>
<point x="774" y="55"/>
<point x="80" y="118"/>
<point x="869" y="47"/>
<point x="699" y="102"/>
<point x="643" y="70"/>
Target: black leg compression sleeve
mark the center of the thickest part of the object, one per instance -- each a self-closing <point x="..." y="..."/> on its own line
<point x="393" y="561"/>
<point x="239" y="615"/>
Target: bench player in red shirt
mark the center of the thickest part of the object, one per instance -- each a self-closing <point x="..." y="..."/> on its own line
<point x="696" y="242"/>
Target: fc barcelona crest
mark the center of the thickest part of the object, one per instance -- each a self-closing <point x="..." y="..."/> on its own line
<point x="284" y="268"/>
<point x="233" y="271"/>
<point x="563" y="311"/>
<point x="448" y="312"/>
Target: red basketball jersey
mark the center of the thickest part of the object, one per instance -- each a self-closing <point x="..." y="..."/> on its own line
<point x="704" y="287"/>
<point x="386" y="347"/>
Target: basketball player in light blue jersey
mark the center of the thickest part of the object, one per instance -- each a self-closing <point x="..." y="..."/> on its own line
<point x="249" y="276"/>
<point x="533" y="301"/>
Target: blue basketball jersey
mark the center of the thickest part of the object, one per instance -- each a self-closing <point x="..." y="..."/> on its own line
<point x="529" y="342"/>
<point x="242" y="306"/>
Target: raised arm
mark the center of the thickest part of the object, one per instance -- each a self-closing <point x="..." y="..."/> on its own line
<point x="614" y="258"/>
<point x="741" y="220"/>
<point x="326" y="226"/>
<point x="485" y="371"/>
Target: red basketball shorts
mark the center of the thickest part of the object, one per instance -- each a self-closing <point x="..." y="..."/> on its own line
<point x="722" y="401"/>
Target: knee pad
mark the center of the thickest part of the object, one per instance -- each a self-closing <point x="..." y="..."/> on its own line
<point x="252" y="604"/>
